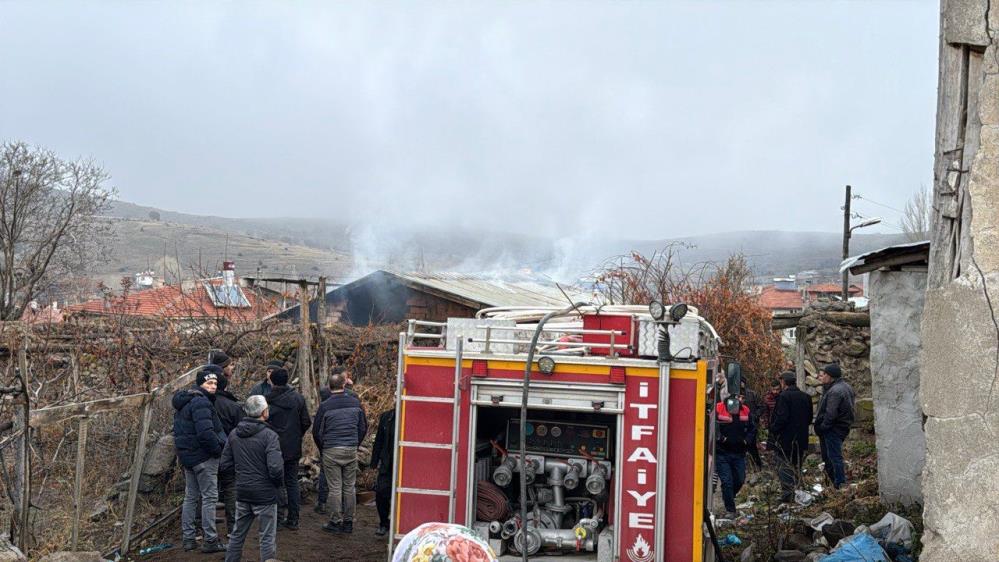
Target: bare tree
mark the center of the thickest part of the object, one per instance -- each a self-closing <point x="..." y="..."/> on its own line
<point x="916" y="218"/>
<point x="50" y="223"/>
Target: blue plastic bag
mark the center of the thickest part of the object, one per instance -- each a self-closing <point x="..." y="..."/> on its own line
<point x="857" y="548"/>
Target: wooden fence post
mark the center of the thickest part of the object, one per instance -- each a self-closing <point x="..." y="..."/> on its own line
<point x="24" y="467"/>
<point x="305" y="350"/>
<point x="799" y="356"/>
<point x="324" y="362"/>
<point x="81" y="455"/>
<point x="133" y="485"/>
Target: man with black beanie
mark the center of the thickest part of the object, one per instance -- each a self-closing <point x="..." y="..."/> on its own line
<point x="290" y="419"/>
<point x="789" y="432"/>
<point x="263" y="387"/>
<point x="199" y="439"/>
<point x="833" y="420"/>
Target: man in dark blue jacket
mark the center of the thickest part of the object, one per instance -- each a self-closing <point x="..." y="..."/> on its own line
<point x="339" y="427"/>
<point x="734" y="434"/>
<point x="263" y="387"/>
<point x="290" y="419"/>
<point x="199" y="438"/>
<point x="833" y="420"/>
<point x="789" y="433"/>
<point x="254" y="452"/>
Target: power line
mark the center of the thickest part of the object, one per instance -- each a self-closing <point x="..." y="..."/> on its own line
<point x="879" y="204"/>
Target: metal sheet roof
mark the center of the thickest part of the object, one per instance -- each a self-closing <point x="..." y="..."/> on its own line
<point x="885" y="253"/>
<point x="508" y="290"/>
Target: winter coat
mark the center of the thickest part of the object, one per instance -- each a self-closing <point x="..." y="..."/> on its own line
<point x="229" y="411"/>
<point x="734" y="433"/>
<point x="382" y="452"/>
<point x="262" y="388"/>
<point x="340" y="422"/>
<point x="755" y="404"/>
<point x="290" y="419"/>
<point x="254" y="451"/>
<point x="789" y="423"/>
<point x="835" y="413"/>
<point x="197" y="431"/>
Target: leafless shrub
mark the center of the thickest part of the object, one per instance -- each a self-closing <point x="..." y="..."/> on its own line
<point x="50" y="223"/>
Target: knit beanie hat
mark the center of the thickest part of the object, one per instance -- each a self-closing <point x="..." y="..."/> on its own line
<point x="209" y="373"/>
<point x="275" y="364"/>
<point x="219" y="357"/>
<point x="279" y="377"/>
<point x="833" y="370"/>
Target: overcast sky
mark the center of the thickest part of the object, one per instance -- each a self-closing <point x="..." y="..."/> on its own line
<point x="645" y="119"/>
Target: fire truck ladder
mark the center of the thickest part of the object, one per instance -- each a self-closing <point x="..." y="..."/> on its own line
<point x="454" y="401"/>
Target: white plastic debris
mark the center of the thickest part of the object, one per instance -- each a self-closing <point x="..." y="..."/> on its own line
<point x="743" y="506"/>
<point x="893" y="528"/>
<point x="817" y="488"/>
<point x="803" y="498"/>
<point x="820" y="520"/>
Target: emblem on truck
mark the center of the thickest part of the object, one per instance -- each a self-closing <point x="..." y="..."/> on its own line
<point x="641" y="551"/>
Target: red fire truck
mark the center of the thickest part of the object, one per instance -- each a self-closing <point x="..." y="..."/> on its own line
<point x="618" y="434"/>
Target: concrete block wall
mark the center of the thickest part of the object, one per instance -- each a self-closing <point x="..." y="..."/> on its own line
<point x="896" y="307"/>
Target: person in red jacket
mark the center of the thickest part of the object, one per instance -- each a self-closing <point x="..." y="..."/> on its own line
<point x="735" y="432"/>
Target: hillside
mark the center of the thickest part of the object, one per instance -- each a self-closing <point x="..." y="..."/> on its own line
<point x="143" y="244"/>
<point x="341" y="250"/>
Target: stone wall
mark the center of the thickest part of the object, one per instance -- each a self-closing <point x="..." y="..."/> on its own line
<point x="896" y="306"/>
<point x="828" y="341"/>
<point x="960" y="331"/>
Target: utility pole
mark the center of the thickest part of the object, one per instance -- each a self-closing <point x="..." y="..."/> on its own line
<point x="846" y="243"/>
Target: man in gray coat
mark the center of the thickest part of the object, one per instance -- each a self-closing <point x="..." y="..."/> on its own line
<point x="254" y="451"/>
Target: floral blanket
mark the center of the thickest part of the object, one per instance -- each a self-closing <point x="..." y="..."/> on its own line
<point x="442" y="542"/>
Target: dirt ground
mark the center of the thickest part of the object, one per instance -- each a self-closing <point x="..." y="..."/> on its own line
<point x="308" y="544"/>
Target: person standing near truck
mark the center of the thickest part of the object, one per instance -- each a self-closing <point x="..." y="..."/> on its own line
<point x="789" y="433"/>
<point x="339" y="428"/>
<point x="734" y="435"/>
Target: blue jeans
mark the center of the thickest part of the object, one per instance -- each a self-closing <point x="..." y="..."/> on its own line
<point x="731" y="469"/>
<point x="831" y="444"/>
<point x="200" y="492"/>
<point x="245" y="514"/>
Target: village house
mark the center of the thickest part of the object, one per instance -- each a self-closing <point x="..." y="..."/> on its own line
<point x="217" y="299"/>
<point x="385" y="297"/>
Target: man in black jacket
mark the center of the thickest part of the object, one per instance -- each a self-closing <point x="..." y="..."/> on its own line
<point x="254" y="452"/>
<point x="833" y="420"/>
<point x="382" y="454"/>
<point x="199" y="438"/>
<point x="230" y="412"/>
<point x="290" y="419"/>
<point x="263" y="387"/>
<point x="339" y="427"/>
<point x="789" y="432"/>
<point x="756" y="410"/>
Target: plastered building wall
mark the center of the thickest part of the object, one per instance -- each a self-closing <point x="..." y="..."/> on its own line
<point x="959" y="379"/>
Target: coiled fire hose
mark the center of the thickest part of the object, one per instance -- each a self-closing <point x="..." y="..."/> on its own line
<point x="491" y="502"/>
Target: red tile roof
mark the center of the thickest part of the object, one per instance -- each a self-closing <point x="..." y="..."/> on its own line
<point x="171" y="302"/>
<point x="44" y="315"/>
<point x="773" y="298"/>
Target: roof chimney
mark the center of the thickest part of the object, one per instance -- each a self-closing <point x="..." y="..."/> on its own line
<point x="228" y="273"/>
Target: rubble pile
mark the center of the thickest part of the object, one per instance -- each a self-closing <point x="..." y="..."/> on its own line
<point x="822" y="524"/>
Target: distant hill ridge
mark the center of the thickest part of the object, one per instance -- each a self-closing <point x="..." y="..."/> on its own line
<point x="341" y="251"/>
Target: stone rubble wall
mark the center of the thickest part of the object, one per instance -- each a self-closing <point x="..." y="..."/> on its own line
<point x="826" y="342"/>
